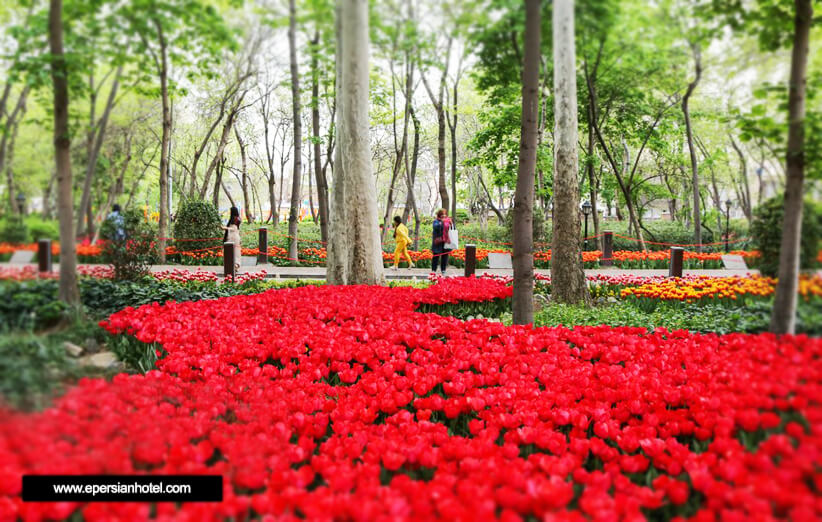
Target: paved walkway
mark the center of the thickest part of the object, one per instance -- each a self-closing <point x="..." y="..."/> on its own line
<point x="313" y="272"/>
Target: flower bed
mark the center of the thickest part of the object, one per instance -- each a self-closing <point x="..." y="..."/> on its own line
<point x="344" y="403"/>
<point x="317" y="256"/>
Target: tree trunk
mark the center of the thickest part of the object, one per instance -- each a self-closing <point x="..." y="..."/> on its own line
<point x="411" y="175"/>
<point x="215" y="195"/>
<point x="783" y="314"/>
<point x="593" y="182"/>
<point x="115" y="190"/>
<point x="400" y="152"/>
<point x="96" y="136"/>
<point x="244" y="174"/>
<point x="745" y="193"/>
<point x="354" y="255"/>
<point x="9" y="129"/>
<point x="68" y="292"/>
<point x="162" y="230"/>
<point x="47" y="210"/>
<point x="319" y="173"/>
<point x="567" y="275"/>
<point x="293" y="215"/>
<point x="452" y="124"/>
<point x="438" y="102"/>
<point x="691" y="149"/>
<point x="523" y="260"/>
<point x="228" y="125"/>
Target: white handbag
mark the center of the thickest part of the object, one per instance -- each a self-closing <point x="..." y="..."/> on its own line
<point x="453" y="238"/>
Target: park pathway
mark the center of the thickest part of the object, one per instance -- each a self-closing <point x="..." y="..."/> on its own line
<point x="314" y="272"/>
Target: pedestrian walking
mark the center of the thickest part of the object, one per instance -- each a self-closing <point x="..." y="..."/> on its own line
<point x="118" y="222"/>
<point x="402" y="240"/>
<point x="439" y="238"/>
<point x="232" y="235"/>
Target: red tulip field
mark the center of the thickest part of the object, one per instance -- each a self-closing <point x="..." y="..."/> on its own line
<point x="344" y="403"/>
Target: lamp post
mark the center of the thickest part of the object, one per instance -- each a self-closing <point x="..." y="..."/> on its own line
<point x="727" y="223"/>
<point x="21" y="203"/>
<point x="586" y="211"/>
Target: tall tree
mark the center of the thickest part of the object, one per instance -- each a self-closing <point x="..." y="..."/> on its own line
<point x="296" y="200"/>
<point x="438" y="101"/>
<point x="354" y="252"/>
<point x="97" y="132"/>
<point x="783" y="315"/>
<point x="68" y="292"/>
<point x="319" y="173"/>
<point x="523" y="261"/>
<point x="689" y="136"/>
<point x="197" y="35"/>
<point x="567" y="276"/>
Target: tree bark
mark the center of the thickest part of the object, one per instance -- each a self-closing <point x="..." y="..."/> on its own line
<point x="452" y="126"/>
<point x="162" y="230"/>
<point x="68" y="290"/>
<point x="783" y="314"/>
<point x="7" y="142"/>
<point x="244" y="174"/>
<point x="523" y="259"/>
<point x="293" y="215"/>
<point x="438" y="101"/>
<point x="218" y="183"/>
<point x="567" y="276"/>
<point x="410" y="177"/>
<point x="354" y="255"/>
<point x="745" y="193"/>
<point x="691" y="149"/>
<point x="593" y="182"/>
<point x="319" y="172"/>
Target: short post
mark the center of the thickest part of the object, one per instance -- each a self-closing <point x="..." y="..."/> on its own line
<point x="262" y="257"/>
<point x="228" y="260"/>
<point x="44" y="255"/>
<point x="607" y="249"/>
<point x="677" y="256"/>
<point x="470" y="259"/>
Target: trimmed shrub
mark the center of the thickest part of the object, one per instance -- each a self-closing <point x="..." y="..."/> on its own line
<point x="196" y="225"/>
<point x="766" y="230"/>
<point x="13" y="230"/>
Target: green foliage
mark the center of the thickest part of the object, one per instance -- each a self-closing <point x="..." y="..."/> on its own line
<point x="766" y="230"/>
<point x="29" y="304"/>
<point x="753" y="318"/>
<point x="132" y="255"/>
<point x="13" y="230"/>
<point x="39" y="228"/>
<point x="28" y="366"/>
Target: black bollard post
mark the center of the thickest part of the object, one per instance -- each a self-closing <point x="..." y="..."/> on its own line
<point x="470" y="259"/>
<point x="677" y="257"/>
<point x="607" y="249"/>
<point x="44" y="255"/>
<point x="262" y="257"/>
<point x="228" y="260"/>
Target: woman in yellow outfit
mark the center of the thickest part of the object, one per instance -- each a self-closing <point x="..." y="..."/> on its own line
<point x="403" y="240"/>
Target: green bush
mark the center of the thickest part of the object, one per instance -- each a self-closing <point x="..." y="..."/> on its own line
<point x="130" y="256"/>
<point x="29" y="304"/>
<point x="196" y="225"/>
<point x="766" y="230"/>
<point x="13" y="230"/>
<point x="39" y="228"/>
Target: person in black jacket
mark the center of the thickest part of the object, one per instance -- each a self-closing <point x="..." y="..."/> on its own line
<point x="441" y="225"/>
